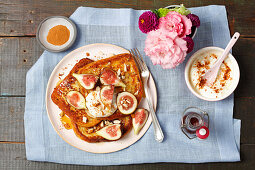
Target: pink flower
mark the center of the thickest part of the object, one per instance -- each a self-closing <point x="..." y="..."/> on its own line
<point x="175" y="22"/>
<point x="165" y="48"/>
<point x="148" y="21"/>
<point x="190" y="43"/>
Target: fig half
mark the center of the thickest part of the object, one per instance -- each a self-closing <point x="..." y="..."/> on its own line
<point x="87" y="81"/>
<point x="111" y="132"/>
<point x="139" y="119"/>
<point x="75" y="99"/>
<point x="110" y="77"/>
<point x="108" y="97"/>
<point x="126" y="102"/>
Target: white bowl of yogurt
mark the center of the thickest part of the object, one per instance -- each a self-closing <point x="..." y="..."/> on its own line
<point x="226" y="81"/>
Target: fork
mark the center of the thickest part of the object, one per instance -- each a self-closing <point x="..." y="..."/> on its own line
<point x="159" y="136"/>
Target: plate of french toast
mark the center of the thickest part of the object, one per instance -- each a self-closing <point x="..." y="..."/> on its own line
<point x="95" y="99"/>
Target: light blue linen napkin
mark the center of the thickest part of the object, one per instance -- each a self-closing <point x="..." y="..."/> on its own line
<point x="119" y="26"/>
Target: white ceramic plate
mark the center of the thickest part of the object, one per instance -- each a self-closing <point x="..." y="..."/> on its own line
<point x="96" y="51"/>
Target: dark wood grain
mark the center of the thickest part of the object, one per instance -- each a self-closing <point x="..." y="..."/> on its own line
<point x="15" y="158"/>
<point x="17" y="56"/>
<point x="243" y="51"/>
<point x="244" y="109"/>
<point x="21" y="17"/>
<point x="12" y="119"/>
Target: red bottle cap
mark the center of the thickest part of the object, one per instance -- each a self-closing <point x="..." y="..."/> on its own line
<point x="202" y="132"/>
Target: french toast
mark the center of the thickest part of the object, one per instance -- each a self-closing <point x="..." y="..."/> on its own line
<point x="66" y="85"/>
<point x="128" y="74"/>
<point x="89" y="134"/>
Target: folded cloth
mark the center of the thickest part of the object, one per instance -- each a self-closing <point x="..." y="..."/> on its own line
<point x="120" y="27"/>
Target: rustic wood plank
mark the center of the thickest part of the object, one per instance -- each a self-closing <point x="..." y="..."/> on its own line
<point x="244" y="54"/>
<point x="243" y="109"/>
<point x="15" y="158"/>
<point x="21" y="17"/>
<point x="17" y="56"/>
<point x="12" y="119"/>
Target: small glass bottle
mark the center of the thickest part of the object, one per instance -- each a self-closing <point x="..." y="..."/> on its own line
<point x="193" y="119"/>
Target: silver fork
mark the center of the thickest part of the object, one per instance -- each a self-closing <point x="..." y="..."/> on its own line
<point x="159" y="136"/>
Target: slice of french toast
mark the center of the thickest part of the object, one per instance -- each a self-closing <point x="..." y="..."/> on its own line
<point x="123" y="64"/>
<point x="89" y="134"/>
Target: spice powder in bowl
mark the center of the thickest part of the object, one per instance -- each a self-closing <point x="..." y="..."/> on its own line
<point x="56" y="33"/>
<point x="227" y="78"/>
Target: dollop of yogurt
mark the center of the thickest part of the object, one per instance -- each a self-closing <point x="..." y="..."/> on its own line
<point x="223" y="81"/>
<point x="95" y="106"/>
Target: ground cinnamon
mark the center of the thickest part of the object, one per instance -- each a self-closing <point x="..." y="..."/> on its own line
<point x="58" y="35"/>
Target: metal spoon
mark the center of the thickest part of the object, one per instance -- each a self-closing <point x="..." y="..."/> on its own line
<point x="212" y="73"/>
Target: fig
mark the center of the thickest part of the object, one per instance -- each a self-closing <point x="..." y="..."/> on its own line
<point x="111" y="132"/>
<point x="75" y="99"/>
<point x="110" y="77"/>
<point x="87" y="81"/>
<point x="95" y="106"/>
<point x="108" y="97"/>
<point x="139" y="119"/>
<point x="126" y="102"/>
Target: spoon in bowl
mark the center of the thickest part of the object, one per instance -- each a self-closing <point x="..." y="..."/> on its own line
<point x="212" y="73"/>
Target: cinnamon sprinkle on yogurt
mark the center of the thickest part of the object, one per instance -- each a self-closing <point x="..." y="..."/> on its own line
<point x="201" y="65"/>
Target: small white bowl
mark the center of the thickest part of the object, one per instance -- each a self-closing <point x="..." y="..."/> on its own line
<point x="235" y="78"/>
<point x="50" y="22"/>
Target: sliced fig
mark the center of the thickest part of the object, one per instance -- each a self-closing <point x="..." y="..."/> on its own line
<point x="139" y="119"/>
<point x="106" y="94"/>
<point x="110" y="77"/>
<point x="108" y="97"/>
<point x="75" y="99"/>
<point x="111" y="132"/>
<point x="126" y="102"/>
<point x="87" y="81"/>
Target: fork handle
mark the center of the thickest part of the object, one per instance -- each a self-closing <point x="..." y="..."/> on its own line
<point x="159" y="136"/>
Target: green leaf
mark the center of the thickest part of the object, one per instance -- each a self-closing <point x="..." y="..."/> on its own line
<point x="181" y="10"/>
<point x="162" y="12"/>
<point x="155" y="11"/>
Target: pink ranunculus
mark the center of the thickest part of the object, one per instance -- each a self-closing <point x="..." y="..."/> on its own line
<point x="175" y="22"/>
<point x="165" y="48"/>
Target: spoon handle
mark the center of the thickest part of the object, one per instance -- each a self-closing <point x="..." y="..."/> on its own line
<point x="228" y="48"/>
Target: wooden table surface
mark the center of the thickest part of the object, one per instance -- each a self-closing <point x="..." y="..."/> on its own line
<point x="19" y="51"/>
